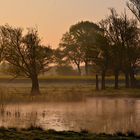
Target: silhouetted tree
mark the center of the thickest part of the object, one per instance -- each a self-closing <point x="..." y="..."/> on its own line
<point x="103" y="59"/>
<point x="123" y="35"/>
<point x="26" y="54"/>
<point x="110" y="26"/>
<point x="79" y="42"/>
<point x="84" y="33"/>
<point x="70" y="51"/>
<point x="134" y="6"/>
<point x="2" y="46"/>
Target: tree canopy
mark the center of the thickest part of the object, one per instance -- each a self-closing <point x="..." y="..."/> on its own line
<point x="79" y="42"/>
<point x="25" y="53"/>
<point x="134" y="6"/>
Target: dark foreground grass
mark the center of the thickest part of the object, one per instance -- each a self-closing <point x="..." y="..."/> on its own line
<point x="40" y="134"/>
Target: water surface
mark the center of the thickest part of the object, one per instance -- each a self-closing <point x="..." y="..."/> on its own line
<point x="107" y="115"/>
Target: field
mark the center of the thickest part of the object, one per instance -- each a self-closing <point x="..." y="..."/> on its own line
<point x="60" y="89"/>
<point x="39" y="134"/>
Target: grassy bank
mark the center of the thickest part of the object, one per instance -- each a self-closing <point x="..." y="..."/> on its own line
<point x="44" y="77"/>
<point x="39" y="134"/>
<point x="63" y="93"/>
<point x="121" y="92"/>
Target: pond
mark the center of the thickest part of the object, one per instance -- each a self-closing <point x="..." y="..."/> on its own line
<point x="95" y="114"/>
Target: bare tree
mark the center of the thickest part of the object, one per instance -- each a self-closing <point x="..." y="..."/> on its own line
<point x="26" y="54"/>
<point x="123" y="35"/>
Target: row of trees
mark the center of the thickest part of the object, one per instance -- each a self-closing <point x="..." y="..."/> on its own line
<point x="112" y="46"/>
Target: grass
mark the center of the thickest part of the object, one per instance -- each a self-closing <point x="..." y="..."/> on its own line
<point x="71" y="91"/>
<point x="44" y="77"/>
<point x="65" y="93"/>
<point x="48" y="93"/>
<point x="36" y="133"/>
<point x="121" y="92"/>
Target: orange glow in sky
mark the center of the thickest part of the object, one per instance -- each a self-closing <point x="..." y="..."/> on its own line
<point x="54" y="17"/>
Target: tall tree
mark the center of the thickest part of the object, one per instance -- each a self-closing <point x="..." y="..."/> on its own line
<point x="110" y="27"/>
<point x="124" y="37"/>
<point x="84" y="33"/>
<point x="70" y="51"/>
<point x="134" y="6"/>
<point x="26" y="54"/>
<point x="79" y="42"/>
<point x="102" y="58"/>
<point x="2" y="47"/>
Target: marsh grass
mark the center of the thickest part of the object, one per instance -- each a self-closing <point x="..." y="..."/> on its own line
<point x="48" y="93"/>
<point x="60" y="92"/>
<point x="121" y="77"/>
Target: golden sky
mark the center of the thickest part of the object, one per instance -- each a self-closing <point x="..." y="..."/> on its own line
<point x="54" y="17"/>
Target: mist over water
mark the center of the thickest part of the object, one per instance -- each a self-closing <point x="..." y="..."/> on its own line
<point x="102" y="114"/>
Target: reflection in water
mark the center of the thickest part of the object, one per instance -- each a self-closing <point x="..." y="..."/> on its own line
<point x="93" y="114"/>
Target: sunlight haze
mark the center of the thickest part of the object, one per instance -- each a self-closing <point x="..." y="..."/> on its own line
<point x="54" y="17"/>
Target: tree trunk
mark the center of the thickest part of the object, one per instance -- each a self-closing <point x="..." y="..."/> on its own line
<point x="86" y="68"/>
<point x="103" y="80"/>
<point x="97" y="82"/>
<point x="116" y="79"/>
<point x="35" y="85"/>
<point x="79" y="70"/>
<point x="132" y="79"/>
<point x="127" y="85"/>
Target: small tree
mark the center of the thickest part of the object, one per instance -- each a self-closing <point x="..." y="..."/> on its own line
<point x="26" y="54"/>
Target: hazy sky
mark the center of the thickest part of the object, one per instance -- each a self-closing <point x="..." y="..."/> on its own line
<point x="54" y="17"/>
